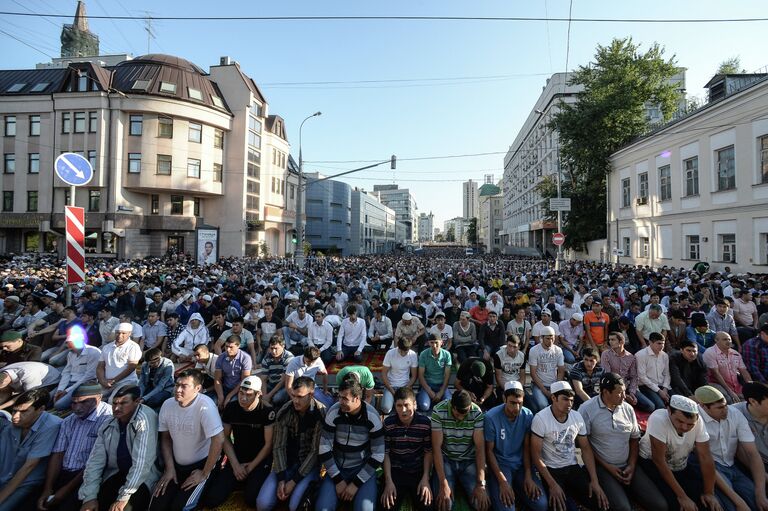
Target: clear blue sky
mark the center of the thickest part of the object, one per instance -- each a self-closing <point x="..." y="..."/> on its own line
<point x="423" y="117"/>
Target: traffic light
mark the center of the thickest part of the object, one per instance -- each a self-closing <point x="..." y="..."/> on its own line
<point x="393" y="162"/>
<point x="294" y="237"/>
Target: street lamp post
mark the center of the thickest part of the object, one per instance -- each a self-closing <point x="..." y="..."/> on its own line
<point x="300" y="201"/>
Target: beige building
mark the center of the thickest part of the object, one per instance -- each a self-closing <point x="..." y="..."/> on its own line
<point x="696" y="189"/>
<point x="490" y="222"/>
<point x="174" y="149"/>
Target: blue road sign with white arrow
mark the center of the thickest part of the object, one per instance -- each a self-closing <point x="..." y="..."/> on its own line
<point x="73" y="169"/>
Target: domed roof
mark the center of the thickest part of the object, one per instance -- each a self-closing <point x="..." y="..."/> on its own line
<point x="164" y="60"/>
<point x="489" y="189"/>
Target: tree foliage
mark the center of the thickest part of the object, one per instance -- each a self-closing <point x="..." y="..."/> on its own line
<point x="451" y="234"/>
<point x="730" y="66"/>
<point x="611" y="111"/>
<point x="472" y="232"/>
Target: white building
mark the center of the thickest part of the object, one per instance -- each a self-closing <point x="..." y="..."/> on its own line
<point x="459" y="227"/>
<point x="697" y="188"/>
<point x="469" y="199"/>
<point x="404" y="205"/>
<point x="426" y="226"/>
<point x="490" y="222"/>
<point x="373" y="225"/>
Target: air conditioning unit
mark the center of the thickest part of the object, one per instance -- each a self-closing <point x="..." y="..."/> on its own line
<point x="642" y="201"/>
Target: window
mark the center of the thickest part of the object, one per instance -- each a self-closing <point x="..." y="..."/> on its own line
<point x="136" y="125"/>
<point x="140" y="85"/>
<point x="218" y="139"/>
<point x="726" y="168"/>
<point x="254" y="124"/>
<point x="165" y="127"/>
<point x="16" y="87"/>
<point x="256" y="109"/>
<point x="252" y="202"/>
<point x="645" y="247"/>
<point x="167" y="87"/>
<point x="32" y="201"/>
<point x="9" y="161"/>
<point x="40" y="87"/>
<point x="254" y="128"/>
<point x="195" y="94"/>
<point x="79" y="122"/>
<point x="93" y="121"/>
<point x="34" y="163"/>
<point x="10" y="125"/>
<point x="254" y="139"/>
<point x="7" y="201"/>
<point x="177" y="204"/>
<point x="693" y="247"/>
<point x="217" y="101"/>
<point x="293" y="191"/>
<point x="277" y="186"/>
<point x="164" y="164"/>
<point x="763" y="143"/>
<point x="134" y="163"/>
<point x="665" y="183"/>
<point x="691" y="170"/>
<point x="254" y="162"/>
<point x="92" y="159"/>
<point x="218" y="173"/>
<point x="195" y="132"/>
<point x="625" y="193"/>
<point x="82" y="82"/>
<point x="94" y="200"/>
<point x="155" y="204"/>
<point x="642" y="180"/>
<point x="728" y="248"/>
<point x="196" y="206"/>
<point x="193" y="168"/>
<point x="66" y="122"/>
<point x="34" y="125"/>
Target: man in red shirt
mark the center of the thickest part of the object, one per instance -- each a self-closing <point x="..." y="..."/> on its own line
<point x="479" y="314"/>
<point x="596" y="326"/>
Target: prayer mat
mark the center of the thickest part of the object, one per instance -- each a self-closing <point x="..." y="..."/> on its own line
<point x="373" y="360"/>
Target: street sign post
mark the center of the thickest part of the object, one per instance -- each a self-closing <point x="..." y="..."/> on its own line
<point x="74" y="170"/>
<point x="560" y="204"/>
<point x="558" y="239"/>
<point x="75" y="228"/>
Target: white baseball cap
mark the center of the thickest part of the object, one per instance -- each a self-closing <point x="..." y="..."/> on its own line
<point x="252" y="383"/>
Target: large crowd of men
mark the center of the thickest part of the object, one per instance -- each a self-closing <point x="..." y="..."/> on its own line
<point x="505" y="384"/>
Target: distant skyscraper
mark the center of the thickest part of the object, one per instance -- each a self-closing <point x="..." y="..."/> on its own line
<point x="76" y="39"/>
<point x="470" y="199"/>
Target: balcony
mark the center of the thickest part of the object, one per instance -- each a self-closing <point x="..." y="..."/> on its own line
<point x="177" y="182"/>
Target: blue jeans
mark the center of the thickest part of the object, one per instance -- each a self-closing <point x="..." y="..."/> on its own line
<point x="323" y="397"/>
<point x="65" y="401"/>
<point x="366" y="498"/>
<point x="538" y="400"/>
<point x="741" y="484"/>
<point x="517" y="479"/>
<point x="465" y="471"/>
<point x="649" y="395"/>
<point x="569" y="357"/>
<point x="267" y="499"/>
<point x="423" y="401"/>
<point x="293" y="337"/>
<point x="25" y="495"/>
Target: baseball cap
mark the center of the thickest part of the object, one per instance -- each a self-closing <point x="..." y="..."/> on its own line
<point x="252" y="383"/>
<point x="546" y="312"/>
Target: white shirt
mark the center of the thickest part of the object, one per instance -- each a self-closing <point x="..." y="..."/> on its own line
<point x="296" y="367"/>
<point x="539" y="326"/>
<point x="510" y="366"/>
<point x="558" y="438"/>
<point x="399" y="373"/>
<point x="191" y="428"/>
<point x="115" y="359"/>
<point x="546" y="362"/>
<point x="320" y="335"/>
<point x="30" y="374"/>
<point x="293" y="317"/>
<point x="353" y="333"/>
<point x="382" y="328"/>
<point x="725" y="435"/>
<point x="446" y="334"/>
<point x="653" y="370"/>
<point x="678" y="447"/>
<point x="80" y="367"/>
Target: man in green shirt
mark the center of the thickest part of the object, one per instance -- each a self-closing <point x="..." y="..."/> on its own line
<point x="363" y="375"/>
<point x="434" y="374"/>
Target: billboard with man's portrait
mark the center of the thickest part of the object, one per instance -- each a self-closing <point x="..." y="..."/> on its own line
<point x="207" y="246"/>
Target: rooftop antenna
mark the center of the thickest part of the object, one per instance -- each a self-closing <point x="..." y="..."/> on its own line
<point x="148" y="28"/>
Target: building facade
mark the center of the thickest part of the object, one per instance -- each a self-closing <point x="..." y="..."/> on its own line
<point x="490" y="221"/>
<point x="329" y="215"/>
<point x="373" y="225"/>
<point x="426" y="227"/>
<point x="469" y="199"/>
<point x="696" y="189"/>
<point x="174" y="150"/>
<point x="404" y="205"/>
<point x="458" y="226"/>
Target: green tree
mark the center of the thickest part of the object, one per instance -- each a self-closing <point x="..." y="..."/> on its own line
<point x="472" y="232"/>
<point x="730" y="66"/>
<point x="451" y="234"/>
<point x="611" y="111"/>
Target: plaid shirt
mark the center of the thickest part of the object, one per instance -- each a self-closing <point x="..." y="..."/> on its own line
<point x="755" y="355"/>
<point x="625" y="365"/>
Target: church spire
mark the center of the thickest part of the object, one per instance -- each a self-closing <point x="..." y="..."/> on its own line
<point x="76" y="39"/>
<point x="81" y="21"/>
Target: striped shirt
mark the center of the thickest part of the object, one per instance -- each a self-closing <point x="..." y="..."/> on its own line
<point x="77" y="436"/>
<point x="458" y="444"/>
<point x="275" y="367"/>
<point x="406" y="445"/>
<point x="353" y="444"/>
